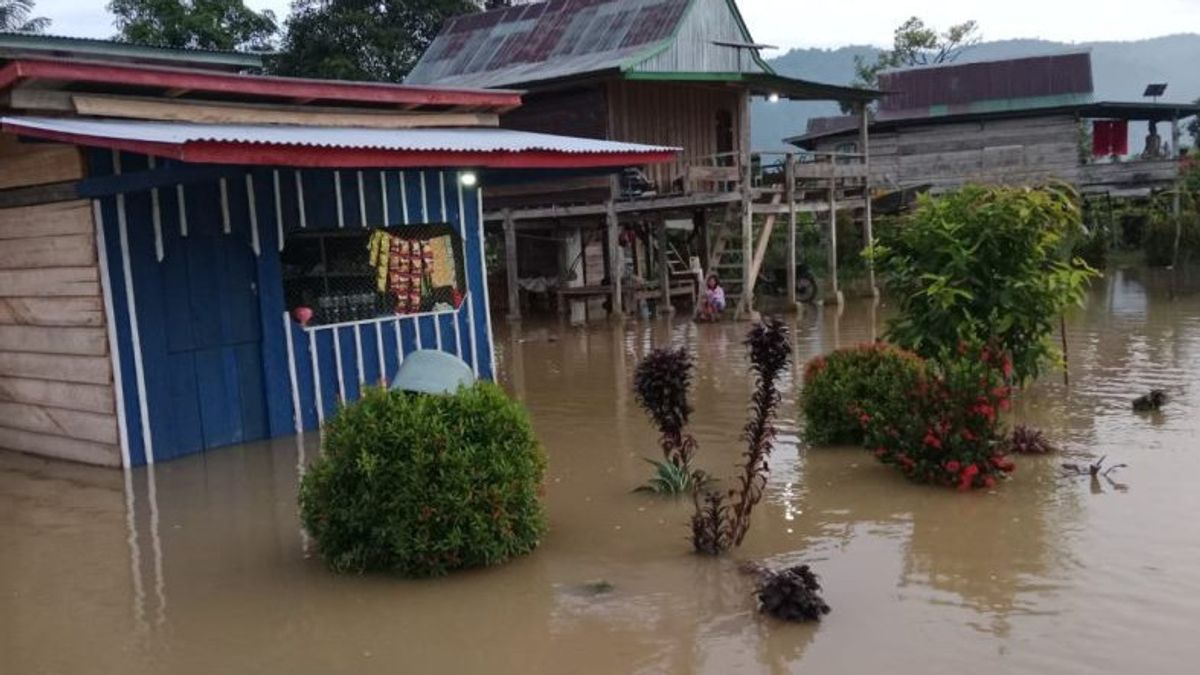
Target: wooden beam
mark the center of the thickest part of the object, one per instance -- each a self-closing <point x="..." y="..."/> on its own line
<point x="789" y="174"/>
<point x="664" y="270"/>
<point x="760" y="249"/>
<point x="865" y="149"/>
<point x="616" y="265"/>
<point x="38" y="195"/>
<point x="28" y="164"/>
<point x="833" y="242"/>
<point x="221" y="113"/>
<point x="46" y="220"/>
<point x="747" y="301"/>
<point x="511" y="269"/>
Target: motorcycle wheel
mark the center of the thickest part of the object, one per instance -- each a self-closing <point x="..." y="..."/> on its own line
<point x="806" y="289"/>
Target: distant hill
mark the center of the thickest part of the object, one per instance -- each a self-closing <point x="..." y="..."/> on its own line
<point x="1121" y="71"/>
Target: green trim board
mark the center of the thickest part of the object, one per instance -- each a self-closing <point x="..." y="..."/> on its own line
<point x="764" y="84"/>
<point x="23" y="44"/>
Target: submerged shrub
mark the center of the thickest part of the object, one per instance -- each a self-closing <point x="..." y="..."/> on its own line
<point x="793" y="594"/>
<point x="1027" y="441"/>
<point x="423" y="485"/>
<point x="842" y="388"/>
<point x="947" y="430"/>
<point x="985" y="265"/>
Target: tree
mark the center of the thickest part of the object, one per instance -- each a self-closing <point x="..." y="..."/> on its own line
<point x="363" y="39"/>
<point x="916" y="44"/>
<point x="194" y="24"/>
<point x="14" y="17"/>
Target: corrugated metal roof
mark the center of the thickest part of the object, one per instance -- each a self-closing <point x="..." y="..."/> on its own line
<point x="1008" y="84"/>
<point x="547" y="40"/>
<point x="466" y="140"/>
<point x="25" y="44"/>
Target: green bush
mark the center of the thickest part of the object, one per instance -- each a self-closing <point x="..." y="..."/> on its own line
<point x="984" y="265"/>
<point x="1159" y="238"/>
<point x="846" y="385"/>
<point x="423" y="485"/>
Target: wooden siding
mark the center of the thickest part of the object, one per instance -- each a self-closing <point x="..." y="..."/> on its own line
<point x="674" y="115"/>
<point x="694" y="48"/>
<point x="578" y="112"/>
<point x="56" y="384"/>
<point x="1009" y="151"/>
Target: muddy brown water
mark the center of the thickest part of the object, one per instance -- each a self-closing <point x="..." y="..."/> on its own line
<point x="200" y="566"/>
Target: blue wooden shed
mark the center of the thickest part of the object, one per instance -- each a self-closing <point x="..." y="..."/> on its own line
<point x="264" y="247"/>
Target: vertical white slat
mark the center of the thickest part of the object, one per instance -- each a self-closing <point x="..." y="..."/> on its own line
<point x="337" y="191"/>
<point x="226" y="225"/>
<point x="114" y="347"/>
<point x="312" y="355"/>
<point x="297" y="413"/>
<point x="487" y="300"/>
<point x="417" y="329"/>
<point x="278" y="208"/>
<point x="437" y="331"/>
<point x="358" y="355"/>
<point x="457" y="335"/>
<point x="300" y="199"/>
<point x="462" y="232"/>
<point x="181" y="197"/>
<point x="379" y="353"/>
<point x="252" y="205"/>
<point x="383" y="196"/>
<point x="399" y="344"/>
<point x="442" y="191"/>
<point x="156" y="217"/>
<point x="341" y="374"/>
<point x="424" y="200"/>
<point x="403" y="200"/>
<point x="362" y="201"/>
<point x="134" y="332"/>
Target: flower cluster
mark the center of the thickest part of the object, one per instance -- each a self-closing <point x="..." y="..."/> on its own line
<point x="946" y="430"/>
<point x="844" y="390"/>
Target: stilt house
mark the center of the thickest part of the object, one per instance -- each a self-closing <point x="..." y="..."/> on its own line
<point x="666" y="72"/>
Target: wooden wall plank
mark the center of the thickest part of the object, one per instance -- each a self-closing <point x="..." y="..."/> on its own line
<point x="69" y="395"/>
<point x="84" y="426"/>
<point x="54" y="340"/>
<point x="57" y="367"/>
<point x="51" y="312"/>
<point x="76" y="250"/>
<point x="24" y="164"/>
<point x="44" y="220"/>
<point x="60" y="447"/>
<point x="54" y="282"/>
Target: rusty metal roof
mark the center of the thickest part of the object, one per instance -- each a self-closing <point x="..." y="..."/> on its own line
<point x="986" y="86"/>
<point x="547" y="40"/>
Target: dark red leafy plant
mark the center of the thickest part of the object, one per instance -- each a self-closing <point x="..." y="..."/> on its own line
<point x="793" y="594"/>
<point x="718" y="525"/>
<point x="661" y="385"/>
<point x="1024" y="440"/>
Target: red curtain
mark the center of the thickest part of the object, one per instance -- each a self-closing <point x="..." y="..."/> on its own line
<point x="1110" y="137"/>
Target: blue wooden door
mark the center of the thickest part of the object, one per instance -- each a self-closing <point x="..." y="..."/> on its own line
<point x="201" y="328"/>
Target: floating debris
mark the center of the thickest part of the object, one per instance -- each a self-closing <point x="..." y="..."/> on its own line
<point x="1155" y="400"/>
<point x="1027" y="441"/>
<point x="1097" y="471"/>
<point x="792" y="594"/>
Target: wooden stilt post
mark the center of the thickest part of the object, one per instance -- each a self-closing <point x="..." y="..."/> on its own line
<point x="789" y="175"/>
<point x="616" y="264"/>
<point x="510" y="267"/>
<point x="747" y="302"/>
<point x="664" y="269"/>
<point x="868" y="225"/>
<point x="1177" y="206"/>
<point x="833" y="240"/>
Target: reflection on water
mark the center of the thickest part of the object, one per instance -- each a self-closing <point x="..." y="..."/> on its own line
<point x="200" y="566"/>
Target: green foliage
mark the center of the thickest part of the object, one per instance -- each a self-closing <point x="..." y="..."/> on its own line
<point x="984" y="265"/>
<point x="15" y="17"/>
<point x="423" y="485"/>
<point x="841" y="388"/>
<point x="1091" y="246"/>
<point x="674" y="480"/>
<point x="946" y="431"/>
<point x="1158" y="238"/>
<point x="194" y="24"/>
<point x="362" y="39"/>
<point x="916" y="44"/>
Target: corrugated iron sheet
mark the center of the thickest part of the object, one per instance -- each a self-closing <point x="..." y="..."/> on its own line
<point x="962" y="87"/>
<point x="545" y="41"/>
<point x="405" y="140"/>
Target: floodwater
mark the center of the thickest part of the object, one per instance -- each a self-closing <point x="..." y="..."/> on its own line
<point x="200" y="565"/>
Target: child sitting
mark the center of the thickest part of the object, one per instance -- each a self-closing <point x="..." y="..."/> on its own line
<point x="714" y="299"/>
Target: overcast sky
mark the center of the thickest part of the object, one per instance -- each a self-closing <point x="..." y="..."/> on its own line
<point x="817" y="23"/>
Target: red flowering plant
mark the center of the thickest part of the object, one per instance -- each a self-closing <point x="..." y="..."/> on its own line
<point x="947" y="430"/>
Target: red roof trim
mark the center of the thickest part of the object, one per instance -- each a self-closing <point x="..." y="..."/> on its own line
<point x="304" y="156"/>
<point x="253" y="85"/>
